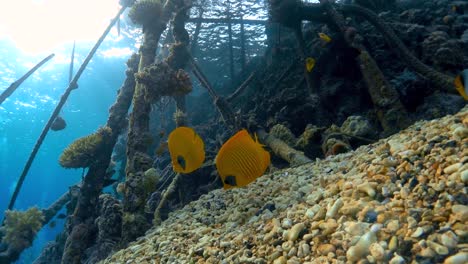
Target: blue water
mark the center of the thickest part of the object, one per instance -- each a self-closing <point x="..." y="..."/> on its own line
<point x="24" y="114"/>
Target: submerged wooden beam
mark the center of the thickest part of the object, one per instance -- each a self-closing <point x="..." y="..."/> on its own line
<point x="283" y="150"/>
<point x="9" y="91"/>
<point x="227" y="20"/>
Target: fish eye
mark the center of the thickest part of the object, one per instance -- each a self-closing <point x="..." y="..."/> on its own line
<point x="181" y="161"/>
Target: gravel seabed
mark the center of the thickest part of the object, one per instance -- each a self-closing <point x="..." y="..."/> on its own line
<point x="402" y="199"/>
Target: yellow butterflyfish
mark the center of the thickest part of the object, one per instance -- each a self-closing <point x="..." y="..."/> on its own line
<point x="187" y="150"/>
<point x="325" y="37"/>
<point x="310" y="63"/>
<point x="461" y="84"/>
<point x="241" y="160"/>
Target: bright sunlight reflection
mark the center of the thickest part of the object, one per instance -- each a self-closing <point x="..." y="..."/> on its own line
<point x="39" y="26"/>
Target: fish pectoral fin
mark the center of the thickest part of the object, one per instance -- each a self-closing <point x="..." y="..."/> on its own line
<point x="181" y="162"/>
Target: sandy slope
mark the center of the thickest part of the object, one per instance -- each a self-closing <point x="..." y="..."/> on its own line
<point x="401" y="199"/>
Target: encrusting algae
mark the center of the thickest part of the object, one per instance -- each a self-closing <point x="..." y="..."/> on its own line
<point x="20" y="228"/>
<point x="82" y="152"/>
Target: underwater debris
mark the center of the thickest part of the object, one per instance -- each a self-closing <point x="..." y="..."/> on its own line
<point x="82" y="152"/>
<point x="20" y="228"/>
<point x="241" y="160"/>
<point x="187" y="150"/>
<point x="180" y="117"/>
<point x="58" y="124"/>
<point x="282" y="132"/>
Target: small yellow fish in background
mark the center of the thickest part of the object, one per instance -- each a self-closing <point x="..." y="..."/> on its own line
<point x="241" y="160"/>
<point x="324" y="37"/>
<point x="310" y="63"/>
<point x="187" y="150"/>
<point x="461" y="84"/>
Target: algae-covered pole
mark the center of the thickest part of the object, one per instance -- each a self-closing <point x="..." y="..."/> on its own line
<point x="72" y="60"/>
<point x="390" y="111"/>
<point x="241" y="88"/>
<point x="71" y="86"/>
<point x="231" y="51"/>
<point x="153" y="17"/>
<point x="178" y="59"/>
<point x="197" y="32"/>
<point x="242" y="39"/>
<point x="441" y="80"/>
<point x="9" y="91"/>
<point x="83" y="218"/>
<point x="12" y="251"/>
<point x="221" y="104"/>
<point x="225" y="21"/>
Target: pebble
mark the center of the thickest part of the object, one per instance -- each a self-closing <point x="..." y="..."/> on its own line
<point x="460" y="212"/>
<point x="367" y="188"/>
<point x="325" y="249"/>
<point x="293" y="234"/>
<point x="449" y="239"/>
<point x="397" y="259"/>
<point x="331" y="213"/>
<point x="377" y="251"/>
<point x="286" y="223"/>
<point x="361" y="249"/>
<point x="452" y="168"/>
<point x="439" y="249"/>
<point x="280" y="260"/>
<point x="464" y="176"/>
<point x="459" y="258"/>
<point x="418" y="232"/>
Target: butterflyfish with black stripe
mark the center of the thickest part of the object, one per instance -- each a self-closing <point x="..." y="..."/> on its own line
<point x="187" y="150"/>
<point x="241" y="160"/>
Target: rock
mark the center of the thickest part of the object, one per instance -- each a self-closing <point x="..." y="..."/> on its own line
<point x="397" y="260"/>
<point x="459" y="258"/>
<point x="377" y="251"/>
<point x="449" y="239"/>
<point x="361" y="249"/>
<point x="358" y="126"/>
<point x="280" y="260"/>
<point x="452" y="168"/>
<point x="460" y="212"/>
<point x="367" y="188"/>
<point x="464" y="176"/>
<point x="294" y="232"/>
<point x="331" y="213"/>
<point x="439" y="249"/>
